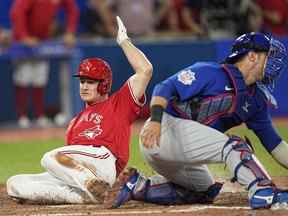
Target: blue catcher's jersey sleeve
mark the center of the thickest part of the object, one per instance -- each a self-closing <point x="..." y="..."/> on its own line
<point x="186" y="83"/>
<point x="262" y="126"/>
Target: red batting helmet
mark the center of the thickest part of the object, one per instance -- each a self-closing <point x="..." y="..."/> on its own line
<point x="97" y="69"/>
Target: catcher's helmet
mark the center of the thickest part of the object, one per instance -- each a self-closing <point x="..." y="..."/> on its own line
<point x="248" y="42"/>
<point x="258" y="42"/>
<point x="97" y="69"/>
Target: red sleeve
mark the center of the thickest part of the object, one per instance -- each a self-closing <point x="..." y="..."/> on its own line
<point x="127" y="104"/>
<point x="72" y="12"/>
<point x="18" y="15"/>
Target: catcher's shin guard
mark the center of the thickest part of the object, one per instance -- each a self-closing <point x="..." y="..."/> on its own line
<point x="238" y="156"/>
<point x="137" y="187"/>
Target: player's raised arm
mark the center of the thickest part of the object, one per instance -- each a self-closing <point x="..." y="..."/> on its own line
<point x="141" y="65"/>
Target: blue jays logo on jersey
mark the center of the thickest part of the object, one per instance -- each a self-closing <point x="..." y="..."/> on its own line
<point x="94" y="119"/>
<point x="186" y="76"/>
<point x="91" y="133"/>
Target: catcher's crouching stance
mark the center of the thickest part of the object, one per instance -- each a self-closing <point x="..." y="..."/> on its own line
<point x="191" y="110"/>
<point x="97" y="138"/>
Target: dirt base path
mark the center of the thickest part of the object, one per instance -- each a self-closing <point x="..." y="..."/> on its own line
<point x="233" y="203"/>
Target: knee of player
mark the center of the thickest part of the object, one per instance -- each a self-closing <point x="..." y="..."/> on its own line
<point x="236" y="144"/>
<point x="65" y="160"/>
<point x="48" y="159"/>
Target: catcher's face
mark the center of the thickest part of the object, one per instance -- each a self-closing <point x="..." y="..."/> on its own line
<point x="88" y="90"/>
<point x="256" y="66"/>
<point x="262" y="59"/>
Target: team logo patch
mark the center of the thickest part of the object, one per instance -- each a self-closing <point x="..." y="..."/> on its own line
<point x="186" y="77"/>
<point x="91" y="133"/>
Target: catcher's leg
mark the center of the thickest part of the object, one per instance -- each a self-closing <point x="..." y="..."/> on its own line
<point x="132" y="185"/>
<point x="248" y="171"/>
<point x="43" y="188"/>
<point x="91" y="169"/>
<point x="182" y="165"/>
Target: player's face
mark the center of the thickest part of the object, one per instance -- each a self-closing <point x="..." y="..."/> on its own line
<point x="262" y="59"/>
<point x="88" y="90"/>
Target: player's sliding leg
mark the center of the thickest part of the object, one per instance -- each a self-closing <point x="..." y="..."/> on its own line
<point x="76" y="166"/>
<point x="43" y="189"/>
<point x="248" y="171"/>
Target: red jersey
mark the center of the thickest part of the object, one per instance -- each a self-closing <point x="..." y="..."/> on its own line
<point x="108" y="124"/>
<point x="35" y="17"/>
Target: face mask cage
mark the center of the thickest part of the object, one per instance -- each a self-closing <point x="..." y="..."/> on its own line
<point x="276" y="63"/>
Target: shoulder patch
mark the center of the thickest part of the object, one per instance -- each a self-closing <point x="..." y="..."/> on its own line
<point x="186" y="77"/>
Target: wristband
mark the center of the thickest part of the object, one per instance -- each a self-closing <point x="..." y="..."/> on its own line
<point x="156" y="113"/>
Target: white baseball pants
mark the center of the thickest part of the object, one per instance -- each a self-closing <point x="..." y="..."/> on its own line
<point x="65" y="184"/>
<point x="31" y="73"/>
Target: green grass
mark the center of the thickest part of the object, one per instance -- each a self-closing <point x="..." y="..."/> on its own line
<point x="24" y="157"/>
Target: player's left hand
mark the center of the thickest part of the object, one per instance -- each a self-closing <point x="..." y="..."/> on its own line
<point x="150" y="134"/>
<point x="122" y="32"/>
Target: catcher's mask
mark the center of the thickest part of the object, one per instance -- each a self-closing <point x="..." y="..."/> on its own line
<point x="258" y="42"/>
<point x="96" y="69"/>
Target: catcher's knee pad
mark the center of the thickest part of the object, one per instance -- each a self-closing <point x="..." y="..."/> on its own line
<point x="238" y="153"/>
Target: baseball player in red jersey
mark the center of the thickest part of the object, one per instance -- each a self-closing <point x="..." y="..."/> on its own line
<point x="97" y="139"/>
<point x="32" y="23"/>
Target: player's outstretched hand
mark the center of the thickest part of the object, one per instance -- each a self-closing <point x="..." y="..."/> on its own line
<point x="150" y="134"/>
<point x="122" y="32"/>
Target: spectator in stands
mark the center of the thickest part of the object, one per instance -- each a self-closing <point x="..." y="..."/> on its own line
<point x="182" y="16"/>
<point x="275" y="15"/>
<point x="31" y="24"/>
<point x="138" y="15"/>
<point x="249" y="17"/>
<point x="97" y="19"/>
<point x="217" y="17"/>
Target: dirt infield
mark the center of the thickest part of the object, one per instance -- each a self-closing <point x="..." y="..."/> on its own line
<point x="227" y="203"/>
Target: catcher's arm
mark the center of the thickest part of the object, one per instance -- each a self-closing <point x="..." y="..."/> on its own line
<point x="150" y="133"/>
<point x="141" y="65"/>
<point x="280" y="154"/>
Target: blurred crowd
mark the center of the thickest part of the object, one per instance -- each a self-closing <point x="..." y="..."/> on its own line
<point x="34" y="21"/>
<point x="212" y="19"/>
